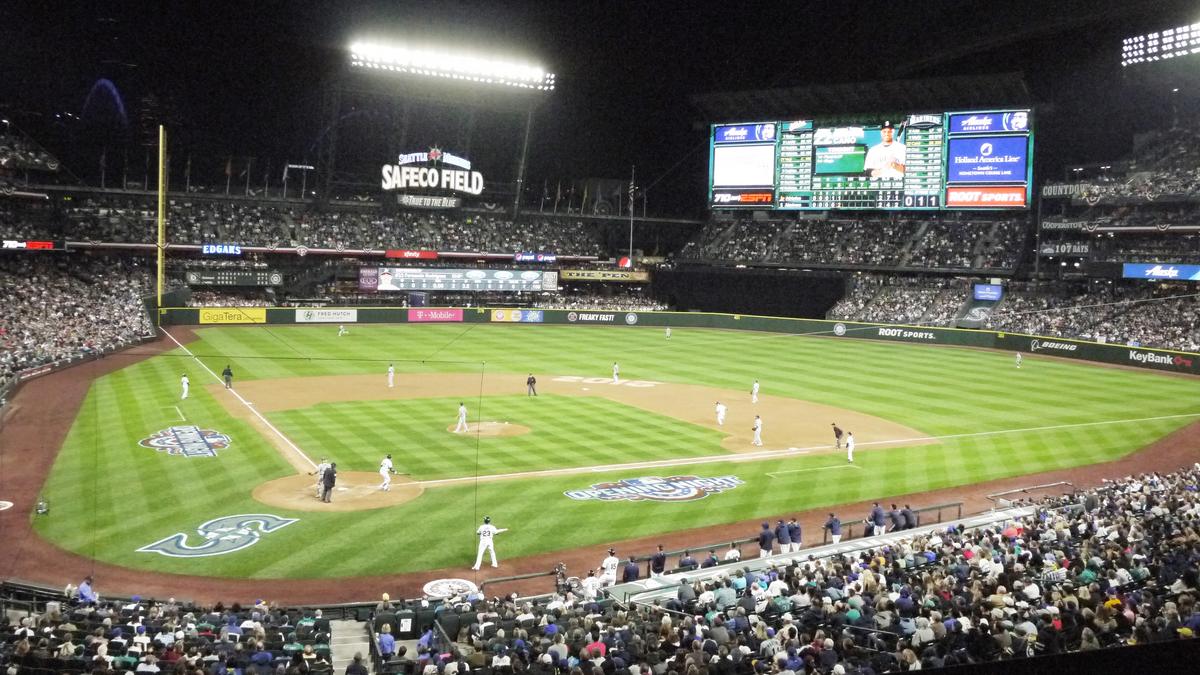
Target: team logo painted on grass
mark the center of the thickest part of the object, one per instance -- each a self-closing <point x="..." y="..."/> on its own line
<point x="187" y="440"/>
<point x="448" y="588"/>
<point x="220" y="536"/>
<point x="654" y="488"/>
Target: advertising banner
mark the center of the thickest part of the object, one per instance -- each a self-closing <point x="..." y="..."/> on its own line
<point x="233" y="315"/>
<point x="435" y="315"/>
<point x="411" y="255"/>
<point x="604" y="275"/>
<point x="1161" y="271"/>
<point x="988" y="291"/>
<point x="326" y="315"/>
<point x="987" y="159"/>
<point x="744" y="133"/>
<point x="368" y="279"/>
<point x="517" y="315"/>
<point x="986" y="197"/>
<point x="535" y="257"/>
<point x="971" y="123"/>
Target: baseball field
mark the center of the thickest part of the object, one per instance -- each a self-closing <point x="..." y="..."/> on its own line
<point x="217" y="484"/>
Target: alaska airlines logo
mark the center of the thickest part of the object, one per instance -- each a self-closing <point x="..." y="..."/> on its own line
<point x="220" y="536"/>
<point x="1161" y="272"/>
<point x="654" y="488"/>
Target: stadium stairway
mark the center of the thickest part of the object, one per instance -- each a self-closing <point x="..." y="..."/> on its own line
<point x="347" y="638"/>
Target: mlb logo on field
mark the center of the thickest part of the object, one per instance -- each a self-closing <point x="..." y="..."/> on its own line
<point x="187" y="440"/>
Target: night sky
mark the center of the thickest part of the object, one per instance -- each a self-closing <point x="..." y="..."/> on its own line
<point x="242" y="78"/>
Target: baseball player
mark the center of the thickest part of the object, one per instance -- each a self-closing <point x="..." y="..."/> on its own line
<point x="1018" y="360"/>
<point x="319" y="472"/>
<point x="757" y="428"/>
<point x="391" y="376"/>
<point x="609" y="568"/>
<point x="462" y="419"/>
<point x="754" y="392"/>
<point x="531" y="385"/>
<point x="183" y="381"/>
<point x="616" y="373"/>
<point x="837" y="435"/>
<point x="227" y="375"/>
<point x="721" y="410"/>
<point x="385" y="472"/>
<point x="850" y="447"/>
<point x="668" y="332"/>
<point x="486" y="531"/>
<point x="342" y="331"/>
<point x="834" y="525"/>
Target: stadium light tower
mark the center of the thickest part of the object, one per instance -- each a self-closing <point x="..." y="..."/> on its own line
<point x="488" y="70"/>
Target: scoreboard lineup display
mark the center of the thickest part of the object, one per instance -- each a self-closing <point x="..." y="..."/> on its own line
<point x="443" y="279"/>
<point x="953" y="160"/>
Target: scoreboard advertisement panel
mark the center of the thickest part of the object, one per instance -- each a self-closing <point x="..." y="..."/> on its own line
<point x="950" y="160"/>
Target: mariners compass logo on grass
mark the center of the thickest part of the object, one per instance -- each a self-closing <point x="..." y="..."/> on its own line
<point x="187" y="440"/>
<point x="654" y="488"/>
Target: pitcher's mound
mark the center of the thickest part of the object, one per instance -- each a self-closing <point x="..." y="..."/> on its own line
<point x="355" y="491"/>
<point x="492" y="429"/>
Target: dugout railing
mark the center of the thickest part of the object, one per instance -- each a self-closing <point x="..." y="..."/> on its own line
<point x="848" y="525"/>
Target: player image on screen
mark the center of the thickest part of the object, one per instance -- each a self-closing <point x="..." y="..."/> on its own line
<point x="886" y="160"/>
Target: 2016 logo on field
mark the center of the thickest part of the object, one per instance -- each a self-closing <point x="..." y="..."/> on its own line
<point x="657" y="489"/>
<point x="220" y="536"/>
<point x="187" y="440"/>
<point x="448" y="588"/>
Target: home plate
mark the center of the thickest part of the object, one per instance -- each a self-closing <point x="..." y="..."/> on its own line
<point x="587" y="389"/>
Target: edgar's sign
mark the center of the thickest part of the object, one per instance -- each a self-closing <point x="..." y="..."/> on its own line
<point x="654" y="488"/>
<point x="220" y="536"/>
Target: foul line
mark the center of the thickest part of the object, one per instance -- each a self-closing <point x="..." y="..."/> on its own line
<point x="181" y="417"/>
<point x="773" y="454"/>
<point x="246" y="403"/>
<point x="772" y="474"/>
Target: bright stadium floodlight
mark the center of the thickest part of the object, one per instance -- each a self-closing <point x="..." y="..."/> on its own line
<point x="1161" y="45"/>
<point x="455" y="66"/>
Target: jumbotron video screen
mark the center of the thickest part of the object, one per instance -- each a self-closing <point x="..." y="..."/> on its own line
<point x="949" y="160"/>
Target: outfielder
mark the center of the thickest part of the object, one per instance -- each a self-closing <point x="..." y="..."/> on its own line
<point x="1018" y="360"/>
<point x="754" y="392"/>
<point x="385" y="472"/>
<point x="616" y="373"/>
<point x="531" y="385"/>
<point x="668" y="332"/>
<point x="462" y="419"/>
<point x="391" y="376"/>
<point x="609" y="567"/>
<point x="486" y="531"/>
<point x="342" y="331"/>
<point x="721" y="410"/>
<point x="319" y="472"/>
<point x="850" y="447"/>
<point x="183" y="381"/>
<point x="757" y="430"/>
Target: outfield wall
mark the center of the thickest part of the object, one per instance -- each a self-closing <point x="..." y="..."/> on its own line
<point x="1138" y="357"/>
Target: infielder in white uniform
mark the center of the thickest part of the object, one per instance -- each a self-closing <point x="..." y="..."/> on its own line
<point x="850" y="447"/>
<point x="754" y="392"/>
<point x="721" y="409"/>
<point x="342" y="331"/>
<point x="462" y="419"/>
<point x="391" y="376"/>
<point x="886" y="160"/>
<point x="319" y="472"/>
<point x="184" y="382"/>
<point x="757" y="430"/>
<point x="385" y="472"/>
<point x="668" y="332"/>
<point x="486" y="531"/>
<point x="1018" y="359"/>
<point x="608" y="567"/>
<point x="616" y="373"/>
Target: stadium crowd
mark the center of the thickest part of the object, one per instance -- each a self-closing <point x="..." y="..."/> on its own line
<point x="58" y="309"/>
<point x="1094" y="569"/>
<point x="880" y="242"/>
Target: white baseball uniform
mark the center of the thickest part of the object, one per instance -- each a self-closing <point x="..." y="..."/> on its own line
<point x="342" y="331"/>
<point x="616" y="373"/>
<point x="668" y="332"/>
<point x="721" y="414"/>
<point x="462" y="420"/>
<point x="184" y="382"/>
<point x="320" y="473"/>
<point x="385" y="471"/>
<point x="754" y="392"/>
<point x="609" y="566"/>
<point x="486" y="531"/>
<point x="880" y="158"/>
<point x="850" y="448"/>
<point x="591" y="587"/>
<point x="391" y="376"/>
<point x="1018" y="359"/>
<point x="758" y="431"/>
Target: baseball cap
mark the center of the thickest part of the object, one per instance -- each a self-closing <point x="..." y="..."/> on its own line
<point x="887" y="125"/>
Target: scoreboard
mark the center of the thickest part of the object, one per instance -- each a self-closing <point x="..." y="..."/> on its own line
<point x="233" y="277"/>
<point x="445" y="279"/>
<point x="950" y="160"/>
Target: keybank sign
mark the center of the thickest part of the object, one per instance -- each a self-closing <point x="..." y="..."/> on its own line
<point x="1161" y="271"/>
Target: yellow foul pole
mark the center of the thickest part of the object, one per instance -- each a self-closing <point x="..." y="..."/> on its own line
<point x="162" y="217"/>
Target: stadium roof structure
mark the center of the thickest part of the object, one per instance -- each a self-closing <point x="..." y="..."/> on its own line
<point x="911" y="95"/>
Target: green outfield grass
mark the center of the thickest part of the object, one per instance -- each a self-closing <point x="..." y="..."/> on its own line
<point x="111" y="496"/>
